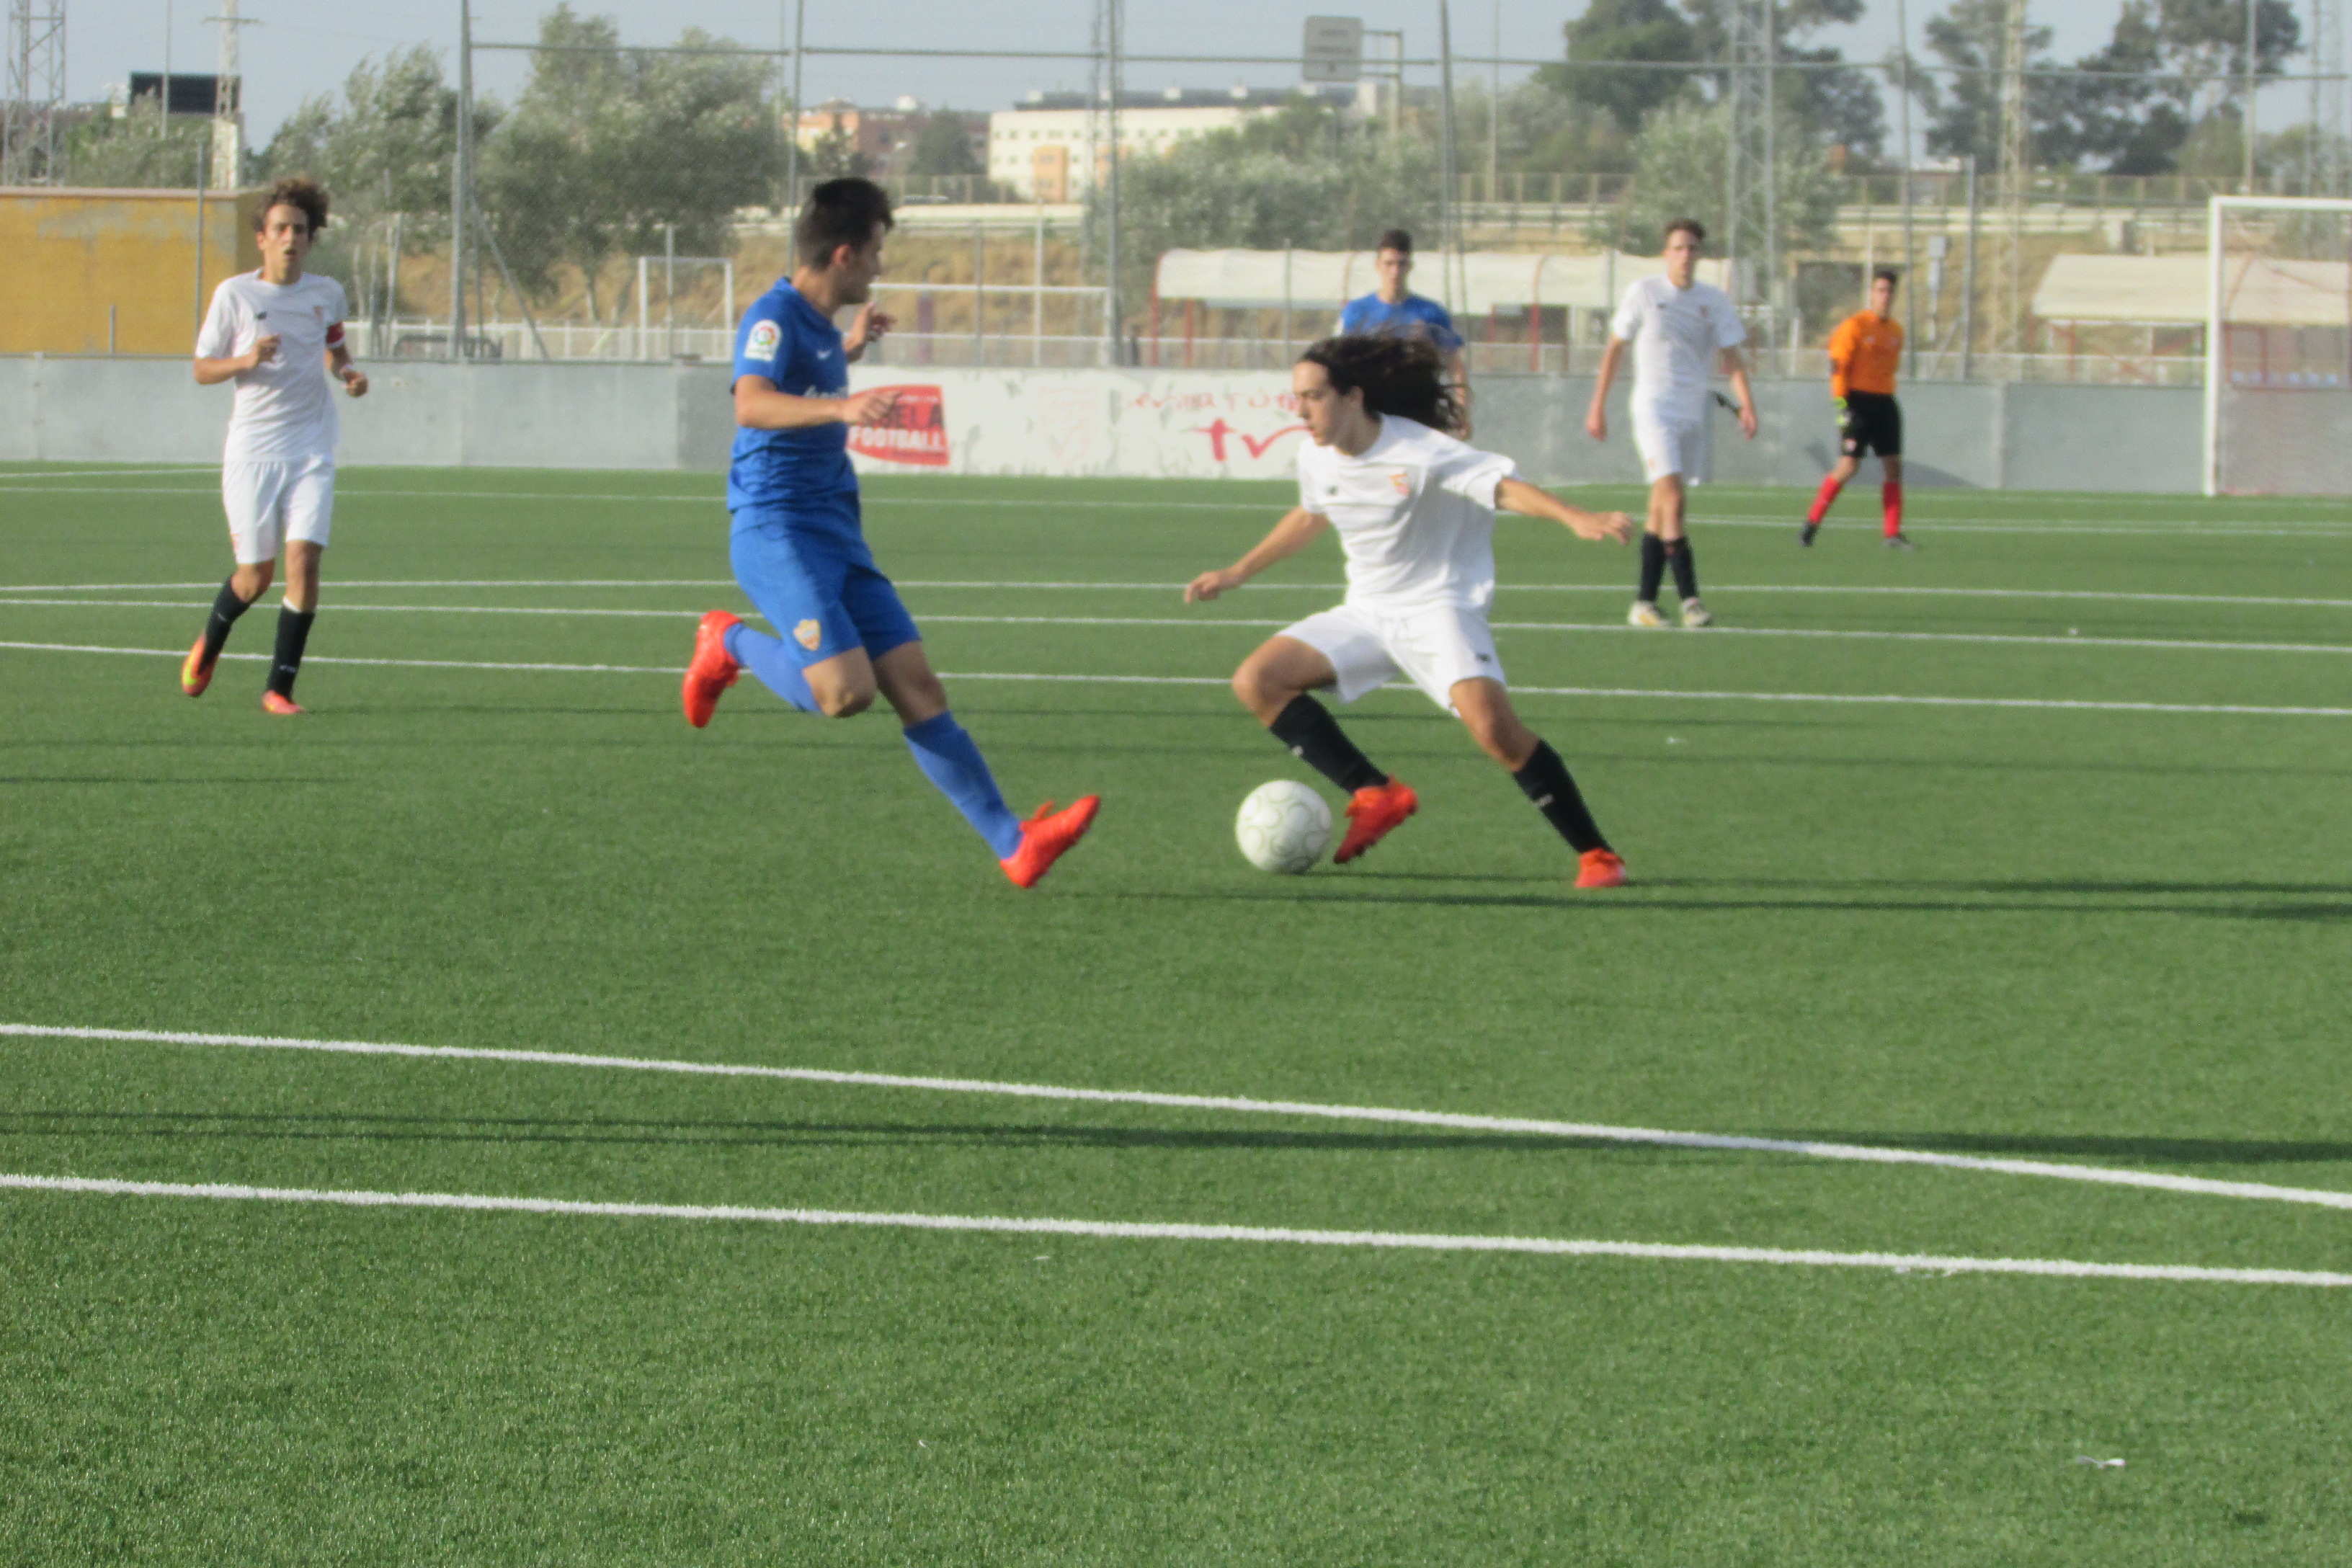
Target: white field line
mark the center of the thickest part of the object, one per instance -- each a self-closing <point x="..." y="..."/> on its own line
<point x="389" y="663"/>
<point x="1128" y="1230"/>
<point x="159" y="472"/>
<point x="1521" y="1126"/>
<point x="1926" y="525"/>
<point x="1214" y="622"/>
<point x="2069" y="704"/>
<point x="1613" y="589"/>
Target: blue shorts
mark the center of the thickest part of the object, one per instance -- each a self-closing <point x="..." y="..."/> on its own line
<point x="821" y="592"/>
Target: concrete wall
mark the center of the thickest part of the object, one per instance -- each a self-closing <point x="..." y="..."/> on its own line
<point x="417" y="412"/>
<point x="594" y="415"/>
<point x="2020" y="436"/>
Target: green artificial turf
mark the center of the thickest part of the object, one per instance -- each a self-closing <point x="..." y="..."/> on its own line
<point x="2099" y="935"/>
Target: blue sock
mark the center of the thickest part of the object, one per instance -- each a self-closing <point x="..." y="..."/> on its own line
<point x="778" y="670"/>
<point x="949" y="758"/>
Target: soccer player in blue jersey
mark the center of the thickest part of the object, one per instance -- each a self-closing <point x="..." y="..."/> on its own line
<point x="1391" y="307"/>
<point x="798" y="544"/>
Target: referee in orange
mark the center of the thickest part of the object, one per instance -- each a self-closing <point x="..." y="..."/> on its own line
<point x="1863" y="353"/>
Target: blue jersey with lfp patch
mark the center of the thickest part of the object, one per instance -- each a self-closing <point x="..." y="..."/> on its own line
<point x="803" y="473"/>
<point x="1412" y="315"/>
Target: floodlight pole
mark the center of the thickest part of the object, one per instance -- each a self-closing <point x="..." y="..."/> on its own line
<point x="1448" y="200"/>
<point x="2216" y="351"/>
<point x="1910" y="284"/>
<point x="793" y="143"/>
<point x="458" y="179"/>
<point x="1112" y="23"/>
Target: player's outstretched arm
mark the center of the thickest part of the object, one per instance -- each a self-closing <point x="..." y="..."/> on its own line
<point x="1519" y="496"/>
<point x="760" y="406"/>
<point x="1289" y="537"/>
<point x="1735" y="365"/>
<point x="1596" y="418"/>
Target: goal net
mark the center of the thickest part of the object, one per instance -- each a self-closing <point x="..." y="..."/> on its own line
<point x="2278" y="346"/>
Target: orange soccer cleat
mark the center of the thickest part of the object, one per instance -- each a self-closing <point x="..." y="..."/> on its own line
<point x="1600" y="869"/>
<point x="197" y="670"/>
<point x="284" y="706"/>
<point x="713" y="670"/>
<point x="1372" y="813"/>
<point x="1044" y="837"/>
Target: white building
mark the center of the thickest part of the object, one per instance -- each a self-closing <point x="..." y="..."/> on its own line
<point x="1040" y="149"/>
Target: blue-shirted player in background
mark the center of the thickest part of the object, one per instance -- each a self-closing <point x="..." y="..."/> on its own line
<point x="1391" y="307"/>
<point x="799" y="545"/>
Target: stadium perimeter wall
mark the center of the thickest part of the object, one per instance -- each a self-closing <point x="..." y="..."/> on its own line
<point x="1205" y="424"/>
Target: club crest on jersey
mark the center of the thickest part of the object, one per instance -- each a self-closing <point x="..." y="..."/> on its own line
<point x="1403" y="481"/>
<point x="808" y="634"/>
<point x="765" y="336"/>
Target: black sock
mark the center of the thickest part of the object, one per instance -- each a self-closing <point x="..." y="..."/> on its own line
<point x="293" y="631"/>
<point x="226" y="610"/>
<point x="1545" y="780"/>
<point x="1315" y="738"/>
<point x="1653" y="567"/>
<point x="1678" y="555"/>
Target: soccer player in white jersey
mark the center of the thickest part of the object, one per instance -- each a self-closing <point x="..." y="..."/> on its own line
<point x="1678" y="327"/>
<point x="277" y="333"/>
<point x="1414" y="510"/>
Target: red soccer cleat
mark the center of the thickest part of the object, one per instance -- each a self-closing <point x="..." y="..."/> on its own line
<point x="1600" y="869"/>
<point x="196" y="670"/>
<point x="1373" y="814"/>
<point x="713" y="670"/>
<point x="1044" y="837"/>
<point x="284" y="706"/>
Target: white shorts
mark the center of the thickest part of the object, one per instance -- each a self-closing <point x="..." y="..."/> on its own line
<point x="1434" y="648"/>
<point x="270" y="503"/>
<point x="1670" y="444"/>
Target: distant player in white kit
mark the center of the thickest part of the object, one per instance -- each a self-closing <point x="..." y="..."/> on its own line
<point x="1416" y="510"/>
<point x="277" y="333"/>
<point x="1678" y="327"/>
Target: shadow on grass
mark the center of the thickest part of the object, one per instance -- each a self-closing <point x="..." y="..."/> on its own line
<point x="349" y="1126"/>
<point x="729" y="1134"/>
<point x="1663" y="896"/>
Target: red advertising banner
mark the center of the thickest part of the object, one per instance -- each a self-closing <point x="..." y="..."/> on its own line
<point x="916" y="432"/>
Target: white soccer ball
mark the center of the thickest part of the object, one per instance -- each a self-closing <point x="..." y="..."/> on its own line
<point x="1284" y="826"/>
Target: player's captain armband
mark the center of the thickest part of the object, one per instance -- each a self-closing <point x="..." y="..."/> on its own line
<point x="334" y="334"/>
<point x="765" y="336"/>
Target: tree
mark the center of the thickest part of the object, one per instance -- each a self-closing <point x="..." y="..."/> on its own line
<point x="144" y="150"/>
<point x="1827" y="101"/>
<point x="1679" y="173"/>
<point x="607" y="147"/>
<point x="1964" y="110"/>
<point x="387" y="146"/>
<point x="1304" y="176"/>
<point x="943" y="146"/>
<point x="1624" y="30"/>
<point x="2140" y="113"/>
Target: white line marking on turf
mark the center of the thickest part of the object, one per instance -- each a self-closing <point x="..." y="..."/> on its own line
<point x="1609" y="588"/>
<point x="1928" y="526"/>
<point x="1130" y="1230"/>
<point x="2070" y="704"/>
<point x="394" y="663"/>
<point x="1594" y="1131"/>
<point x="1211" y="622"/>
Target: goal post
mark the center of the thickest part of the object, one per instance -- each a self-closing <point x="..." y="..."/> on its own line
<point x="2278" y="346"/>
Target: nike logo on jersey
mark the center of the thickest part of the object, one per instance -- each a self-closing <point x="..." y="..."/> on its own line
<point x="825" y="353"/>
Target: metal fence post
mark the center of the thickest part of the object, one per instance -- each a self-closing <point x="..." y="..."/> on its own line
<point x="459" y="175"/>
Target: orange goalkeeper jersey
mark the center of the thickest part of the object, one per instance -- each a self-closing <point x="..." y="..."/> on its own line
<point x="1863" y="353"/>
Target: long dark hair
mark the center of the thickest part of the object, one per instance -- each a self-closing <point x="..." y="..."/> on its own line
<point x="1398" y="374"/>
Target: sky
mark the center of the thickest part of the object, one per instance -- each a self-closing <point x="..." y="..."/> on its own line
<point x="301" y="48"/>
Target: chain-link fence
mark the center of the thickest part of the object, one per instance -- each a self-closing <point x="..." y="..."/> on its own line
<point x="628" y="202"/>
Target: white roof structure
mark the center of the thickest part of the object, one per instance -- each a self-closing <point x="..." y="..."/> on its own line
<point x="2173" y="290"/>
<point x="1319" y="280"/>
